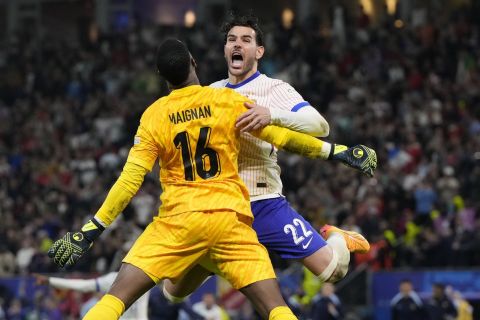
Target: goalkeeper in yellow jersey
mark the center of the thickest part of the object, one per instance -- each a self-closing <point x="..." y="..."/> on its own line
<point x="205" y="214"/>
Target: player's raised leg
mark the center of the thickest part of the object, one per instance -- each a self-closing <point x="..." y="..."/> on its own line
<point x="283" y="230"/>
<point x="131" y="283"/>
<point x="324" y="263"/>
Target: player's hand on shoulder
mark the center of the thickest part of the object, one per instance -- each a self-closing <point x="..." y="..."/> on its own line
<point x="255" y="118"/>
<point x="359" y="157"/>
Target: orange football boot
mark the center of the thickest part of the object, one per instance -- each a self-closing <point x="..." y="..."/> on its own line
<point x="355" y="241"/>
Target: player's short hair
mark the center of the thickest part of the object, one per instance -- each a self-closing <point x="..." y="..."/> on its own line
<point x="173" y="61"/>
<point x="249" y="20"/>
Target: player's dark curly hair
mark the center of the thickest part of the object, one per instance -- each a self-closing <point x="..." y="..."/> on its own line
<point x="173" y="61"/>
<point x="249" y="20"/>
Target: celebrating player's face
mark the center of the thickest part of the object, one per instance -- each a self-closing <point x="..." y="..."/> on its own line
<point x="241" y="51"/>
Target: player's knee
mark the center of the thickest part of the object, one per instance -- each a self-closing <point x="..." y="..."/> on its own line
<point x="341" y="269"/>
<point x="170" y="297"/>
<point x="337" y="268"/>
<point x="338" y="274"/>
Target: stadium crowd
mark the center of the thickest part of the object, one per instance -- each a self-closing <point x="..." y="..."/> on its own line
<point x="68" y="113"/>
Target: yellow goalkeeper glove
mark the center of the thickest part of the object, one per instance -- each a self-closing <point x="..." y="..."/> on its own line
<point x="66" y="251"/>
<point x="359" y="157"/>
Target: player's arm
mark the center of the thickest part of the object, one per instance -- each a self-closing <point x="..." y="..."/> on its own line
<point x="289" y="110"/>
<point x="82" y="285"/>
<point x="67" y="250"/>
<point x="306" y="120"/>
<point x="359" y="157"/>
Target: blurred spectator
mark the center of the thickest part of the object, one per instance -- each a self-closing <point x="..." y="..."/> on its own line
<point x="7" y="262"/>
<point x="326" y="305"/>
<point x="162" y="309"/>
<point x="425" y="198"/>
<point x="378" y="257"/>
<point x="439" y="306"/>
<point x="16" y="310"/>
<point x="298" y="301"/>
<point x="25" y="255"/>
<point x="51" y="310"/>
<point x="407" y="305"/>
<point x="208" y="308"/>
<point x="464" y="309"/>
<point x="44" y="307"/>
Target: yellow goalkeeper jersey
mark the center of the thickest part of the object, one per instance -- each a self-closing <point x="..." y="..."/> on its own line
<point x="192" y="133"/>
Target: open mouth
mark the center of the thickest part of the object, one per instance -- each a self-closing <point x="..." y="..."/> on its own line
<point x="237" y="60"/>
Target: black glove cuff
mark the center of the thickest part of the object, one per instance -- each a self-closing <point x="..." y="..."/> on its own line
<point x="98" y="224"/>
<point x="332" y="150"/>
<point x="90" y="233"/>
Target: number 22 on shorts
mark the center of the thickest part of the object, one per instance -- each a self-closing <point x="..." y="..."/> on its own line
<point x="292" y="228"/>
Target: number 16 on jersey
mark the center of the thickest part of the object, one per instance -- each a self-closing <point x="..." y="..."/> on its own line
<point x="205" y="161"/>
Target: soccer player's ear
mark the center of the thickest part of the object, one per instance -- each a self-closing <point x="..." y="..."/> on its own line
<point x="259" y="53"/>
<point x="193" y="62"/>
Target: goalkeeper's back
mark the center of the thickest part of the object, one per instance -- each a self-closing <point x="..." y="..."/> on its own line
<point x="193" y="131"/>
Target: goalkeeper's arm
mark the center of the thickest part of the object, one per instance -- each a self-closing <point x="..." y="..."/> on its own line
<point x="359" y="157"/>
<point x="67" y="250"/>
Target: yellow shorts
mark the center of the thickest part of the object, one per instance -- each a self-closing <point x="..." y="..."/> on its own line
<point x="170" y="246"/>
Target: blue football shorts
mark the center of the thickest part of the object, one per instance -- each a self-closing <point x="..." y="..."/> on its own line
<point x="283" y="230"/>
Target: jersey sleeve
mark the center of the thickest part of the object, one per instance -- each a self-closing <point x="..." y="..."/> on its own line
<point x="307" y="120"/>
<point x="145" y="150"/>
<point x="294" y="142"/>
<point x="82" y="285"/>
<point x="121" y="192"/>
<point x="285" y="97"/>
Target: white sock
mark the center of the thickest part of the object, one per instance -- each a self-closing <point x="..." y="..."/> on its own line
<point x="339" y="246"/>
<point x="328" y="272"/>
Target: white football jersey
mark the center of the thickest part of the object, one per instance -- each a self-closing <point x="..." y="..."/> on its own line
<point x="257" y="160"/>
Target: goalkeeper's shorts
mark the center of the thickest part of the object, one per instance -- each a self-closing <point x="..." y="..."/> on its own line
<point x="171" y="245"/>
